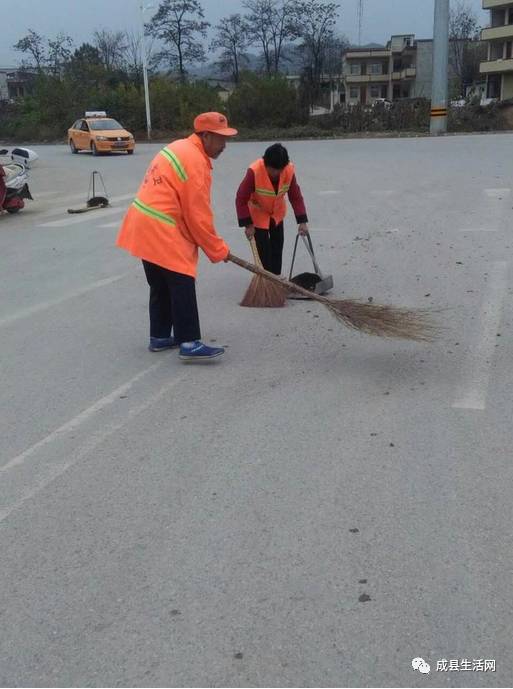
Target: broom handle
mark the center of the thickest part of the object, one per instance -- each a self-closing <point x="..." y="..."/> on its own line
<point x="275" y="278"/>
<point x="256" y="255"/>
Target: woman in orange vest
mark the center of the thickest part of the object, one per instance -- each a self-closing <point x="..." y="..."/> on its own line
<point x="170" y="218"/>
<point x="261" y="205"/>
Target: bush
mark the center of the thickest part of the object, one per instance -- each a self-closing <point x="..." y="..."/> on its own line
<point x="265" y="102"/>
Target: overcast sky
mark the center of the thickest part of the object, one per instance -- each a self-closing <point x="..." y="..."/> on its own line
<point x="80" y="18"/>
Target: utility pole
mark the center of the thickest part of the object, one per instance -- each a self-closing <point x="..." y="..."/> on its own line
<point x="145" y="73"/>
<point x="439" y="93"/>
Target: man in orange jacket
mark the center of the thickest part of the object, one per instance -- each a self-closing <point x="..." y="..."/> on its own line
<point x="169" y="219"/>
<point x="261" y="205"/>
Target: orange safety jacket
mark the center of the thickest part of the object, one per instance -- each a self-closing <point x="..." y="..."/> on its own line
<point x="171" y="215"/>
<point x="265" y="203"/>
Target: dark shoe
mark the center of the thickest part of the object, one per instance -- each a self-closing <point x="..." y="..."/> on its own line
<point x="158" y="344"/>
<point x="199" y="352"/>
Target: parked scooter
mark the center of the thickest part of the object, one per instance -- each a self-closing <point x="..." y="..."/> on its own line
<point x="13" y="187"/>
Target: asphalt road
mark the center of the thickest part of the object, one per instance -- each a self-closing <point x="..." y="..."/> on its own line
<point x="316" y="509"/>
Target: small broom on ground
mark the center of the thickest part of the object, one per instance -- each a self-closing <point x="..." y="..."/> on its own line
<point x="262" y="293"/>
<point x="372" y="319"/>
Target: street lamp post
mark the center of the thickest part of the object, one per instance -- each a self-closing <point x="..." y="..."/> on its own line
<point x="145" y="72"/>
<point x="439" y="93"/>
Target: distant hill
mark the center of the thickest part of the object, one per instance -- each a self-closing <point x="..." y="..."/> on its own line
<point x="290" y="64"/>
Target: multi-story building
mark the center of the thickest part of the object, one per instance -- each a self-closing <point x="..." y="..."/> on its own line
<point x="372" y="72"/>
<point x="13" y="83"/>
<point x="498" y="68"/>
<point x="401" y="69"/>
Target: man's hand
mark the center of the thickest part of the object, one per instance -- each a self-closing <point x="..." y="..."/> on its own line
<point x="250" y="231"/>
<point x="302" y="228"/>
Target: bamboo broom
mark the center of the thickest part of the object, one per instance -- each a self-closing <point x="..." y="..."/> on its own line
<point x="373" y="319"/>
<point x="262" y="293"/>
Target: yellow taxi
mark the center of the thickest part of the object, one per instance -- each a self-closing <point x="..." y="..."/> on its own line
<point x="99" y="134"/>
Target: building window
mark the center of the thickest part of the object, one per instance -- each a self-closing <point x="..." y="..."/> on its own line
<point x="496" y="51"/>
<point x="374" y="91"/>
<point x="376" y="68"/>
<point x="354" y="92"/>
<point x="356" y="69"/>
<point x="508" y="50"/>
<point x="510" y="19"/>
<point x="493" y="86"/>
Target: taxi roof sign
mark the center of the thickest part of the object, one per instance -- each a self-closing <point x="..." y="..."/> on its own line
<point x="95" y="113"/>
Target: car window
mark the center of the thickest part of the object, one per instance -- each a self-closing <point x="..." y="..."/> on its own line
<point x="97" y="125"/>
<point x="75" y="124"/>
<point x="84" y="126"/>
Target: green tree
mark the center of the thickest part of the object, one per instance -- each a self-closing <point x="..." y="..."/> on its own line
<point x="265" y="102"/>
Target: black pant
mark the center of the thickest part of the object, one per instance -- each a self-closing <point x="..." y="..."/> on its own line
<point x="172" y="304"/>
<point x="270" y="247"/>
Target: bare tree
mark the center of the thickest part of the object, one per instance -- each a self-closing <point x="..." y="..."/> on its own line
<point x="231" y="39"/>
<point x="271" y="23"/>
<point x="133" y="57"/>
<point x="59" y="53"/>
<point x="34" y="45"/>
<point x="179" y="24"/>
<point x="112" y="48"/>
<point x="315" y="25"/>
<point x="466" y="49"/>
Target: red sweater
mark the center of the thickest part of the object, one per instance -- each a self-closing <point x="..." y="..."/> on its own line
<point x="247" y="187"/>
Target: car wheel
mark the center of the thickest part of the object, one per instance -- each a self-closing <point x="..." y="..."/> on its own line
<point x="72" y="146"/>
<point x="130" y="152"/>
<point x="94" y="150"/>
<point x="12" y="210"/>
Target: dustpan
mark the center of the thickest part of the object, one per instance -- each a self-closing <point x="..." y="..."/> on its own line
<point x="93" y="201"/>
<point x="314" y="282"/>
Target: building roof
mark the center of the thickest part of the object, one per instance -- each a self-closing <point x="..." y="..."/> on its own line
<point x="367" y="47"/>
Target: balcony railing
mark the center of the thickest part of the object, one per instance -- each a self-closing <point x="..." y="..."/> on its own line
<point x="367" y="78"/>
<point x="494" y="33"/>
<point x="496" y="66"/>
<point x="492" y="4"/>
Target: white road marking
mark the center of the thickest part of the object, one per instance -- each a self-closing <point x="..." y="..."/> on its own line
<point x="90" y="216"/>
<point x="44" y="194"/>
<point x="31" y="310"/>
<point x="473" y="392"/>
<point x="63" y="210"/>
<point x="78" y="420"/>
<point x="497" y="193"/>
<point x="329" y="192"/>
<point x="109" y="224"/>
<point x="57" y="469"/>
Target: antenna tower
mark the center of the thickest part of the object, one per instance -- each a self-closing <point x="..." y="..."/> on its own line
<point x="360" y="21"/>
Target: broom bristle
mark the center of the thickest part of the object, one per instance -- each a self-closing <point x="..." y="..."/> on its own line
<point x="385" y="321"/>
<point x="262" y="293"/>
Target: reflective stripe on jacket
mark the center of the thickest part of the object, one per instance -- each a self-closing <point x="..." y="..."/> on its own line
<point x="266" y="203"/>
<point x="171" y="215"/>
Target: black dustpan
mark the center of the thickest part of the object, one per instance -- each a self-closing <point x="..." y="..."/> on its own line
<point x="314" y="282"/>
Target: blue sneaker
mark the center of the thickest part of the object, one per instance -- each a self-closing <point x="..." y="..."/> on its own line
<point x="198" y="351"/>
<point x="158" y="344"/>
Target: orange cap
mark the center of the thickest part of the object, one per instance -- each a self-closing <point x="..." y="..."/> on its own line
<point x="213" y="122"/>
